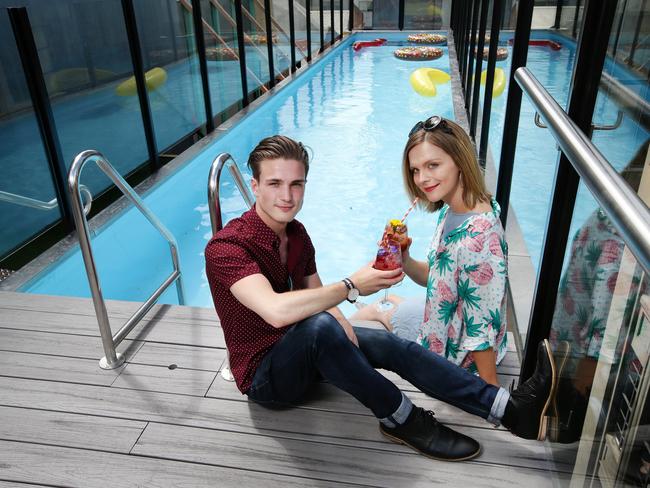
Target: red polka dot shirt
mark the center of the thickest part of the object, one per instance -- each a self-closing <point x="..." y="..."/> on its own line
<point x="247" y="246"/>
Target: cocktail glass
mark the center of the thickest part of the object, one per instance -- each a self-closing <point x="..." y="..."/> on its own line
<point x="389" y="257"/>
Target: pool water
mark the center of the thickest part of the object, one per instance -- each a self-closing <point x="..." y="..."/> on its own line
<point x="354" y="111"/>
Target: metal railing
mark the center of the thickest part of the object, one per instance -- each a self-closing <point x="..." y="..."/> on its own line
<point x="109" y="341"/>
<point x="224" y="160"/>
<point x="24" y="201"/>
<point x="626" y="210"/>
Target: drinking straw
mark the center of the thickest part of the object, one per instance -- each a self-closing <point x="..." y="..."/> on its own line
<point x="409" y="210"/>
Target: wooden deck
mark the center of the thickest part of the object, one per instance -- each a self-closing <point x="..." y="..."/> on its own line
<point x="66" y="422"/>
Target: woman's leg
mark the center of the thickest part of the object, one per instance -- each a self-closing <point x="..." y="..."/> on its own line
<point x="372" y="312"/>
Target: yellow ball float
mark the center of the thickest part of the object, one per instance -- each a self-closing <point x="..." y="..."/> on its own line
<point x="424" y="80"/>
<point x="499" y="81"/>
<point x="153" y="79"/>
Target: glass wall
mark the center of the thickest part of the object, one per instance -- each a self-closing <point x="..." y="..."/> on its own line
<point x="170" y="62"/>
<point x="222" y="55"/>
<point x="424" y="14"/>
<point x="23" y="164"/>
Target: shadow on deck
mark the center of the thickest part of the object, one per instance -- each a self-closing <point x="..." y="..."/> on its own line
<point x="67" y="422"/>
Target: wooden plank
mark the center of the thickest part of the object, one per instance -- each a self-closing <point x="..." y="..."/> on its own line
<point x="37" y="366"/>
<point x="63" y="466"/>
<point x="162" y="379"/>
<point x="115" y="308"/>
<point x="71" y="345"/>
<point x="208" y="335"/>
<point x="70" y="430"/>
<point x="204" y="358"/>
<point x="325" y="461"/>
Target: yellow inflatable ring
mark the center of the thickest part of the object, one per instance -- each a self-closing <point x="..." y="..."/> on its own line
<point x="499" y="81"/>
<point x="424" y="38"/>
<point x="424" y="81"/>
<point x="153" y="79"/>
<point x="502" y="53"/>
<point x="418" y="53"/>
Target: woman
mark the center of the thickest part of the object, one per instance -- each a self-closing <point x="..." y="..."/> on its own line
<point x="465" y="272"/>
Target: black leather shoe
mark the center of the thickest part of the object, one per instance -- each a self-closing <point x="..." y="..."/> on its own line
<point x="526" y="412"/>
<point x="425" y="434"/>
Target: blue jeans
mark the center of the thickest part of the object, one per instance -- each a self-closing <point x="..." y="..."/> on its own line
<point x="317" y="347"/>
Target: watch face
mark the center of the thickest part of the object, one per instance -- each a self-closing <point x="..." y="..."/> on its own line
<point x="353" y="294"/>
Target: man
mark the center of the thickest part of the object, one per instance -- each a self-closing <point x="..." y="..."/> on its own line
<point x="283" y="330"/>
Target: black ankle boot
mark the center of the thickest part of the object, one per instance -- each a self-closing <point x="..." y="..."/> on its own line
<point x="525" y="414"/>
<point x="425" y="434"/>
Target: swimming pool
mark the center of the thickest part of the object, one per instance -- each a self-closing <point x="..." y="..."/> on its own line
<point x="353" y="109"/>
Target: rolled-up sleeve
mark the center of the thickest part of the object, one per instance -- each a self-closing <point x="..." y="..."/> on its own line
<point x="228" y="262"/>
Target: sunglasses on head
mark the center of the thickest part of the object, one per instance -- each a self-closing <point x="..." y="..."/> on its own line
<point x="431" y="124"/>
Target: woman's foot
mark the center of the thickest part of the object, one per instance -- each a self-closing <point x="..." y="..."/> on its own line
<point x="373" y="313"/>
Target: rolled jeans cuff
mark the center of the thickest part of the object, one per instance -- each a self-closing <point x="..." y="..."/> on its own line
<point x="498" y="407"/>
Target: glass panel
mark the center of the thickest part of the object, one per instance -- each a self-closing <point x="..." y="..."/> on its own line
<point x="300" y="24"/>
<point x="84" y="73"/>
<point x="315" y="27"/>
<point x="170" y="61"/>
<point x="363" y="10"/>
<point x="257" y="58"/>
<point x="280" y="14"/>
<point x="23" y="164"/>
<point x="423" y="14"/>
<point x="222" y="54"/>
<point x="385" y="14"/>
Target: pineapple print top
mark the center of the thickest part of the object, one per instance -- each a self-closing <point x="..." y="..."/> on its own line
<point x="465" y="308"/>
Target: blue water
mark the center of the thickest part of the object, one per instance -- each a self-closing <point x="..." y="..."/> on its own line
<point x="354" y="111"/>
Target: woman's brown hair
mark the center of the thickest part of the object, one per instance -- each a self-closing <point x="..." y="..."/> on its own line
<point x="453" y="140"/>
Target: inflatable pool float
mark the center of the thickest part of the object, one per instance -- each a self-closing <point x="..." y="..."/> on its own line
<point x="418" y="53"/>
<point x="424" y="80"/>
<point x="153" y="79"/>
<point x="499" y="81"/>
<point x="357" y="46"/>
<point x="259" y="38"/>
<point x="220" y="54"/>
<point x="424" y="38"/>
<point x="502" y="53"/>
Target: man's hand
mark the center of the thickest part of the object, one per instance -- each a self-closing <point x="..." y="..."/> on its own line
<point x="369" y="280"/>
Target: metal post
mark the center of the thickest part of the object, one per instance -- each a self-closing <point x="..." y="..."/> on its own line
<point x="242" y="52"/>
<point x="42" y="109"/>
<point x="639" y="22"/>
<point x="513" y="108"/>
<point x="472" y="46"/>
<point x="308" y="22"/>
<point x="464" y="41"/>
<point x="590" y="59"/>
<point x="292" y="37"/>
<point x="332" y="23"/>
<point x="138" y="73"/>
<point x="203" y="64"/>
<point x="351" y="16"/>
<point x="618" y="29"/>
<point x="269" y="41"/>
<point x="497" y="12"/>
<point x="575" y="19"/>
<point x="400" y="18"/>
<point x="479" y="66"/>
<point x="322" y="26"/>
<point x="341" y="17"/>
<point x="558" y="14"/>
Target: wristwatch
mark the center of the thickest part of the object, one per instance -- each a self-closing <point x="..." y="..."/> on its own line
<point x="353" y="293"/>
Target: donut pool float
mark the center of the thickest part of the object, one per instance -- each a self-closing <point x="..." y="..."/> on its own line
<point x="502" y="53"/>
<point x="220" y="54"/>
<point x="418" y="53"/>
<point x="424" y="38"/>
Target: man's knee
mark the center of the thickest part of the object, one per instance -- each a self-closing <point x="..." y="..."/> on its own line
<point x="324" y="328"/>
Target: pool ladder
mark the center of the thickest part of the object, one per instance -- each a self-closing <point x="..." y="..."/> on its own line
<point x="214" y="204"/>
<point x="112" y="359"/>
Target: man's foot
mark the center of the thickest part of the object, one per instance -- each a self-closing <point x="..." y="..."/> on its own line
<point x="525" y="414"/>
<point x="425" y="434"/>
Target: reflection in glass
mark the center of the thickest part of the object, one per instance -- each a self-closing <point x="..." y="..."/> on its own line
<point x="423" y="14"/>
<point x="170" y="61"/>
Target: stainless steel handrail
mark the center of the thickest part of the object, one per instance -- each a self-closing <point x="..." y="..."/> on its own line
<point x="113" y="360"/>
<point x="624" y="208"/>
<point x="221" y="161"/>
<point x="24" y="201"/>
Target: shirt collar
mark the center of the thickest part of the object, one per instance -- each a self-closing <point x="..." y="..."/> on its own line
<point x="491" y="216"/>
<point x="259" y="227"/>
